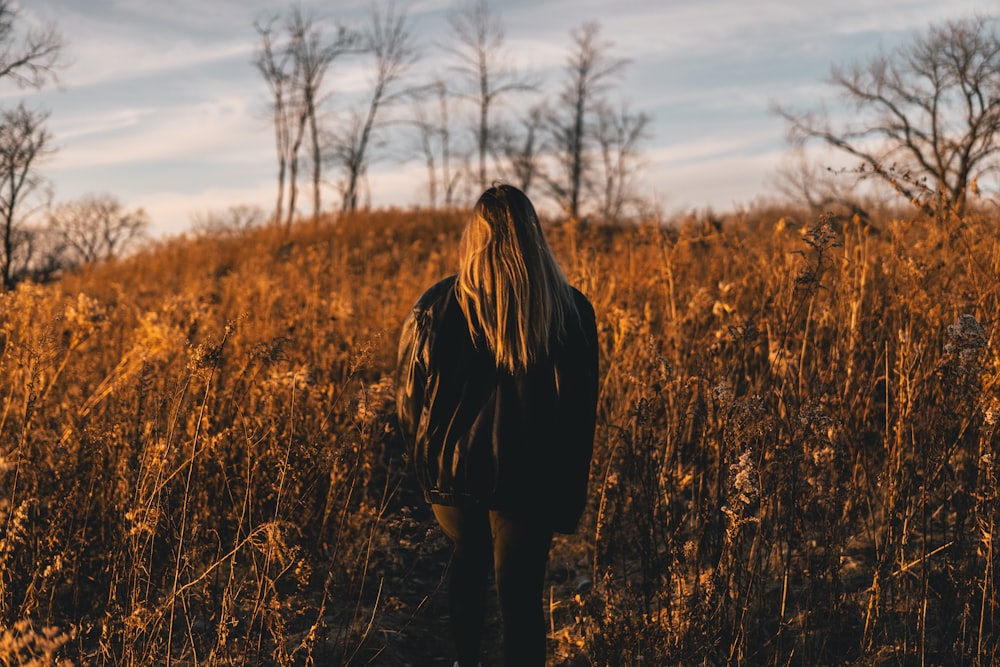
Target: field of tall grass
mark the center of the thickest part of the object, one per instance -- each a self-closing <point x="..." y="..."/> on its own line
<point x="796" y="459"/>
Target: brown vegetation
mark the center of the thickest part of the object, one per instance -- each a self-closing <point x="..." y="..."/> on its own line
<point x="795" y="464"/>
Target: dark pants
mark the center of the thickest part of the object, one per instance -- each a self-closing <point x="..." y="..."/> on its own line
<point x="518" y="548"/>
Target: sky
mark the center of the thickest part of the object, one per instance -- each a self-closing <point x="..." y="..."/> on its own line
<point x="159" y="104"/>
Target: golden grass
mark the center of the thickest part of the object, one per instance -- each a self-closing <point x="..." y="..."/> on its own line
<point x="795" y="461"/>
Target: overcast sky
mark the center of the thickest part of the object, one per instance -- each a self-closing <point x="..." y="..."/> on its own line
<point x="159" y="103"/>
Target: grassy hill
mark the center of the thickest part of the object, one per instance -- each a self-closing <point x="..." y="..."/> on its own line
<point x="795" y="460"/>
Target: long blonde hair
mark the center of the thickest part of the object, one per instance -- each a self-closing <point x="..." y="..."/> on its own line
<point x="510" y="287"/>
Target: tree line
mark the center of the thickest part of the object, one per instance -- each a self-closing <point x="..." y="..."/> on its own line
<point x="91" y="228"/>
<point x="922" y="121"/>
<point x="579" y="147"/>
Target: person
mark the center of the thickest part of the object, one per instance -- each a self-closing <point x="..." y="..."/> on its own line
<point x="496" y="396"/>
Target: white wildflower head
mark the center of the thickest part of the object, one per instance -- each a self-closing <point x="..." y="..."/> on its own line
<point x="744" y="491"/>
<point x="992" y="415"/>
<point x="966" y="334"/>
<point x="723" y="392"/>
<point x="204" y="356"/>
<point x="966" y="339"/>
<point x="745" y="480"/>
<point x="814" y="420"/>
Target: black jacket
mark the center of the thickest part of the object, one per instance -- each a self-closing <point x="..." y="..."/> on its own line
<point x="478" y="434"/>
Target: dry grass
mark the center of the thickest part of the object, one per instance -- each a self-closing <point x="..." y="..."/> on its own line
<point x="796" y="457"/>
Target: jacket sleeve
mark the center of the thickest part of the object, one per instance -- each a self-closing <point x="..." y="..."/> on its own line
<point x="410" y="379"/>
<point x="578" y="409"/>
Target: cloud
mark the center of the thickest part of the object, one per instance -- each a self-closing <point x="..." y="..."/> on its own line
<point x="164" y="108"/>
<point x="215" y="130"/>
<point x="92" y="125"/>
<point x="721" y="183"/>
<point x="171" y="212"/>
<point x="121" y="58"/>
<point x="118" y="42"/>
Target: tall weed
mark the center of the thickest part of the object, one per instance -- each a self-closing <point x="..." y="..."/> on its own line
<point x="796" y="459"/>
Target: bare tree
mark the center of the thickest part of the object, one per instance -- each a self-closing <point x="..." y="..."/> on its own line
<point x="428" y="140"/>
<point x="389" y="38"/>
<point x="233" y="220"/>
<point x="618" y="133"/>
<point x="435" y="140"/>
<point x="38" y="254"/>
<point x="819" y="188"/>
<point x="523" y="149"/>
<point x="313" y="55"/>
<point x="23" y="142"/>
<point x="589" y="70"/>
<point x="273" y="64"/>
<point x="479" y="37"/>
<point x="449" y="176"/>
<point x="926" y="115"/>
<point x="294" y="73"/>
<point x="96" y="227"/>
<point x="31" y="61"/>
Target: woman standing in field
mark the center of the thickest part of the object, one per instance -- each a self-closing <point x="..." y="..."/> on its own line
<point x="497" y="395"/>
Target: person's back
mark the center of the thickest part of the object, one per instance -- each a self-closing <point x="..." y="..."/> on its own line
<point x="496" y="395"/>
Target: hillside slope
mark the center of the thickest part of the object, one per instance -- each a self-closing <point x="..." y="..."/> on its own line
<point x="795" y="459"/>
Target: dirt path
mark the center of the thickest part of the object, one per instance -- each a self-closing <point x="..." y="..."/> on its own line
<point x="412" y="624"/>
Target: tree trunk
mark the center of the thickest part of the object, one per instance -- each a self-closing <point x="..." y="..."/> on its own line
<point x="316" y="159"/>
<point x="279" y="206"/>
<point x="484" y="137"/>
<point x="358" y="162"/>
<point x="576" y="169"/>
